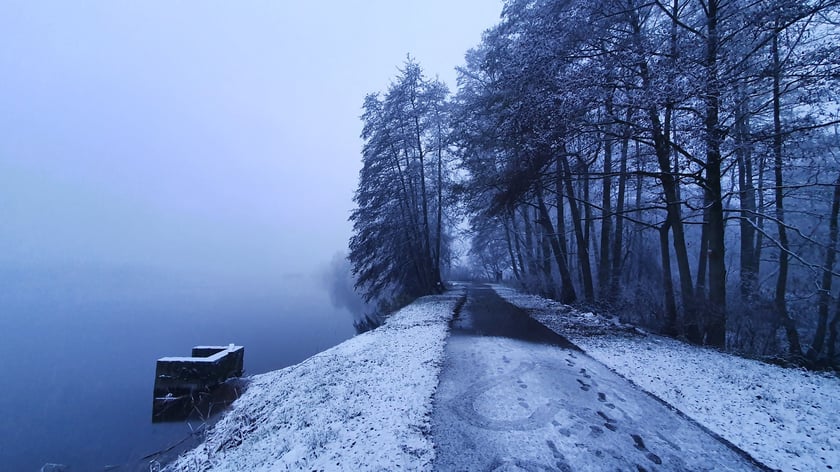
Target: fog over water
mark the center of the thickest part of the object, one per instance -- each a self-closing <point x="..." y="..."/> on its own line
<point x="211" y="137"/>
<point x="179" y="173"/>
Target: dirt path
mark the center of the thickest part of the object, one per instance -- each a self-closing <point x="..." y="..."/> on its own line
<point x="514" y="395"/>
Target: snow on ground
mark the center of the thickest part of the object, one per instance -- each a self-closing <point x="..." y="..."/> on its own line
<point x="786" y="418"/>
<point x="362" y="405"/>
<point x="530" y="402"/>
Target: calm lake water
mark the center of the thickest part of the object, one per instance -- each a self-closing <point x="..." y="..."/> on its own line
<point x="78" y="355"/>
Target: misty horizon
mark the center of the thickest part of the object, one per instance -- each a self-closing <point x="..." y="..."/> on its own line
<point x="213" y="142"/>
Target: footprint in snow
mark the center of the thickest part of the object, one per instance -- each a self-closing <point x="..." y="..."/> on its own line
<point x="610" y="422"/>
<point x="640" y="445"/>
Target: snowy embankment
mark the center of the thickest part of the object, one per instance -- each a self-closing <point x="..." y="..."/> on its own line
<point x="786" y="418"/>
<point x="362" y="405"/>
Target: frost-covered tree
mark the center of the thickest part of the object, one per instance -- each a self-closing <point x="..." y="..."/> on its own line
<point x="674" y="160"/>
<point x="398" y="235"/>
<point x="594" y="132"/>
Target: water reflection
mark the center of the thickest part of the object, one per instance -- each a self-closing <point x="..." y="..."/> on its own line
<point x="338" y="280"/>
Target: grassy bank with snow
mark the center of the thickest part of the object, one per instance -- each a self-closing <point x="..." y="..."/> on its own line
<point x="786" y="418"/>
<point x="362" y="405"/>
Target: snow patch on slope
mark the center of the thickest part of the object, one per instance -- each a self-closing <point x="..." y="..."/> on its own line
<point x="362" y="405"/>
<point x="786" y="418"/>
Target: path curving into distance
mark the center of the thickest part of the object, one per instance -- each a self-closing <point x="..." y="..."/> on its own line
<point x="514" y="395"/>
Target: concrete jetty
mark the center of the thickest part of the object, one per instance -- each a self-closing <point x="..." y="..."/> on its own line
<point x="186" y="380"/>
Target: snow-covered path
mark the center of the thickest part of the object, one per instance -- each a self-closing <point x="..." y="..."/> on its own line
<point x="513" y="395"/>
<point x="787" y="418"/>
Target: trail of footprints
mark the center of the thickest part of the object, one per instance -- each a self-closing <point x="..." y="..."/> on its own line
<point x="586" y="384"/>
<point x="640" y="445"/>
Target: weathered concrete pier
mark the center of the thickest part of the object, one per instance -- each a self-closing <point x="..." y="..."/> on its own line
<point x="181" y="382"/>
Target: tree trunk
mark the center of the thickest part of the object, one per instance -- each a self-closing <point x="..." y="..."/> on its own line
<point x="533" y="274"/>
<point x="715" y="329"/>
<point x="583" y="247"/>
<point x="833" y="327"/>
<point x="662" y="148"/>
<point x="760" y="218"/>
<point x="561" y="209"/>
<point x="588" y="221"/>
<point x="439" y="235"/>
<point x="514" y="227"/>
<point x="702" y="258"/>
<point x="606" y="212"/>
<point x="668" y="283"/>
<point x="784" y="249"/>
<point x="409" y="214"/>
<point x="746" y="198"/>
<point x="828" y="268"/>
<point x="545" y="259"/>
<point x="513" y="264"/>
<point x="567" y="289"/>
<point x="669" y="187"/>
<point x="618" y="240"/>
<point x="424" y="201"/>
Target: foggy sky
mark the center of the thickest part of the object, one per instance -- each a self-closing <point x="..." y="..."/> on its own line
<point x="212" y="138"/>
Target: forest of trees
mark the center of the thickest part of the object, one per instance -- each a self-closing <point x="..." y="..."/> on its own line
<point x="676" y="162"/>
